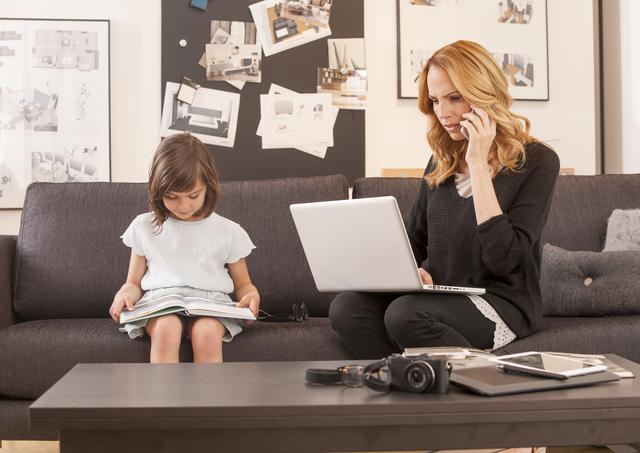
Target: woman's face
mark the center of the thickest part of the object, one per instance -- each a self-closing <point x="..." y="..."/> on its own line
<point x="448" y="103"/>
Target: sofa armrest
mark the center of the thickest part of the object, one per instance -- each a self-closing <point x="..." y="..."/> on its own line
<point x="7" y="256"/>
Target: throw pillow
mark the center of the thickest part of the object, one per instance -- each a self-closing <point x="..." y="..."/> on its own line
<point x="623" y="230"/>
<point x="589" y="283"/>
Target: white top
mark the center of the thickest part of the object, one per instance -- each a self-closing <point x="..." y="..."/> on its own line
<point x="190" y="254"/>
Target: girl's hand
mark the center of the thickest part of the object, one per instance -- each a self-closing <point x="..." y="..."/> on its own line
<point x="251" y="300"/>
<point x="425" y="277"/>
<point x="127" y="296"/>
<point x="482" y="132"/>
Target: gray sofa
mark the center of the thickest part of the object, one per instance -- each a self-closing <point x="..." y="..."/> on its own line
<point x="58" y="277"/>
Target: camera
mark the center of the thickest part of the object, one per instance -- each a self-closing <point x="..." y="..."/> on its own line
<point x="421" y="374"/>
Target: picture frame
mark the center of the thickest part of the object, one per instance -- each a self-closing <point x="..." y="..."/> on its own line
<point x="54" y="103"/>
<point x="514" y="31"/>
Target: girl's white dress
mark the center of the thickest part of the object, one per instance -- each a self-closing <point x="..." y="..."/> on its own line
<point x="188" y="258"/>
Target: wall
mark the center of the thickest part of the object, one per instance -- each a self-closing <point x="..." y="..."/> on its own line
<point x="394" y="128"/>
<point x="621" y="50"/>
<point x="135" y="78"/>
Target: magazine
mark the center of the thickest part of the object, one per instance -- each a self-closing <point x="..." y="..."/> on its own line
<point x="186" y="306"/>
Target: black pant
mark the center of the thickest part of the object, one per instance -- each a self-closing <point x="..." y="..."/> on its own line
<point x="374" y="325"/>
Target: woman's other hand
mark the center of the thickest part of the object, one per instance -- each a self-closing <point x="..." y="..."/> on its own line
<point x="425" y="277"/>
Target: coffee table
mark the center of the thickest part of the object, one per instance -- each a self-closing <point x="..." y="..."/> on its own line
<point x="267" y="407"/>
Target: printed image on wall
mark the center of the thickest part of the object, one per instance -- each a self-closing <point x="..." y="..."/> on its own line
<point x="515" y="11"/>
<point x="346" y="77"/>
<point x="518" y="69"/>
<point x="66" y="49"/>
<point x="32" y="109"/>
<point x="417" y="59"/>
<point x="234" y="52"/>
<point x="72" y="164"/>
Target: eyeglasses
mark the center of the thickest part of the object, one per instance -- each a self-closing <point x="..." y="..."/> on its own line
<point x="298" y="313"/>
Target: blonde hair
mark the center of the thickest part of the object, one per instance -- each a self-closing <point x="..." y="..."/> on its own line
<point x="479" y="80"/>
<point x="180" y="162"/>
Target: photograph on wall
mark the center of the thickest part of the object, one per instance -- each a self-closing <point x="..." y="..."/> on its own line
<point x="513" y="31"/>
<point x="318" y="150"/>
<point x="212" y="116"/>
<point x="284" y="24"/>
<point x="54" y="104"/>
<point x="346" y="77"/>
<point x="292" y="120"/>
<point x="233" y="54"/>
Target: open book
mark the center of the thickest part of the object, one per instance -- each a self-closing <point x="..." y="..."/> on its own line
<point x="186" y="306"/>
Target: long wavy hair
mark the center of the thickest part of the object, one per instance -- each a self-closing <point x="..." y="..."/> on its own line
<point x="477" y="77"/>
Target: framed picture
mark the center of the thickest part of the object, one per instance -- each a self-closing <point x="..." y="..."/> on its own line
<point x="514" y="31"/>
<point x="54" y="104"/>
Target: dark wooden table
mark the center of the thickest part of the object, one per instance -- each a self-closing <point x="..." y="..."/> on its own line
<point x="267" y="407"/>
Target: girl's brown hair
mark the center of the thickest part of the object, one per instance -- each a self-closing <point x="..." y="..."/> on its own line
<point x="179" y="164"/>
<point x="480" y="81"/>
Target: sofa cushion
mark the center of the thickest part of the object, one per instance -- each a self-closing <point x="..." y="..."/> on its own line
<point x="581" y="206"/>
<point x="616" y="335"/>
<point x="35" y="354"/>
<point x="405" y="190"/>
<point x="70" y="260"/>
<point x="623" y="230"/>
<point x="589" y="283"/>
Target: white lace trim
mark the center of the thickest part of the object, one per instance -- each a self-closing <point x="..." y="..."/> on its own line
<point x="502" y="336"/>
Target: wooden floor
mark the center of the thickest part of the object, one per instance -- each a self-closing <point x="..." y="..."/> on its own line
<point x="54" y="447"/>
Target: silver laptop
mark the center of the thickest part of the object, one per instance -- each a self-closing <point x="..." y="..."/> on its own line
<point x="361" y="245"/>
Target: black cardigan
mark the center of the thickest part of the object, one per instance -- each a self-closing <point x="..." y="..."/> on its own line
<point x="501" y="254"/>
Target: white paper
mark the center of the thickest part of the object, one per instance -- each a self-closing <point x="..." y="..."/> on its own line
<point x="284" y="24"/>
<point x="212" y="117"/>
<point x="315" y="150"/>
<point x="294" y="120"/>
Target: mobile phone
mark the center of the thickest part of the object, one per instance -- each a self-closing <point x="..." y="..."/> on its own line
<point x="463" y="131"/>
<point x="547" y="365"/>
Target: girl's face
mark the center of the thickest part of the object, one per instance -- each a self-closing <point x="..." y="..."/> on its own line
<point x="448" y="103"/>
<point x="184" y="205"/>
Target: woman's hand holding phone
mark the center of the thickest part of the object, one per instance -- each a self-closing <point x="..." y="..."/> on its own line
<point x="481" y="131"/>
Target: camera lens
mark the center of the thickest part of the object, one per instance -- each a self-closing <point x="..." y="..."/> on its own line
<point x="419" y="376"/>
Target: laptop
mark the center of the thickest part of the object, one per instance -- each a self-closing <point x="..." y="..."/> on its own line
<point x="361" y="245"/>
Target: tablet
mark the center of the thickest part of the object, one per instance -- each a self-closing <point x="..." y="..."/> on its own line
<point x="546" y="365"/>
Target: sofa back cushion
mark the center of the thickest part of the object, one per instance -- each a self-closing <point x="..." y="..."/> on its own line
<point x="70" y="259"/>
<point x="579" y="211"/>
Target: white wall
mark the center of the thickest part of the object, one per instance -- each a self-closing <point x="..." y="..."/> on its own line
<point x="395" y="129"/>
<point x="135" y="78"/>
<point x="621" y="46"/>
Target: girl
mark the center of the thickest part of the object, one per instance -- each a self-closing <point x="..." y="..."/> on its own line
<point x="476" y="222"/>
<point x="182" y="246"/>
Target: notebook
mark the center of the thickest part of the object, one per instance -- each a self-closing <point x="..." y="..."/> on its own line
<point x="361" y="245"/>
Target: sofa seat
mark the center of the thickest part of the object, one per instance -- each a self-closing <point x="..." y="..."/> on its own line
<point x="35" y="354"/>
<point x="586" y="335"/>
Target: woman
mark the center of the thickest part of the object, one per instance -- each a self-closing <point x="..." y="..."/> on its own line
<point x="476" y="221"/>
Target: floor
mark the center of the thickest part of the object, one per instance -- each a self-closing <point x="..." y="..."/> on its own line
<point x="53" y="447"/>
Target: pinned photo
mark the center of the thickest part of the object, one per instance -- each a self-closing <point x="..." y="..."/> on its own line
<point x="212" y="116"/>
<point x="346" y="77"/>
<point x="234" y="53"/>
<point x="284" y="24"/>
<point x="292" y="120"/>
<point x="318" y="150"/>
